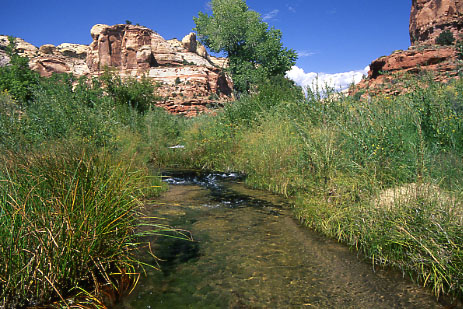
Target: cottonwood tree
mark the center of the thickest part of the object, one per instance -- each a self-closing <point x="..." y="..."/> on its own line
<point x="254" y="50"/>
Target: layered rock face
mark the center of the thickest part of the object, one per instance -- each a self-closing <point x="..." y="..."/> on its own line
<point x="429" y="18"/>
<point x="386" y="71"/>
<point x="49" y="59"/>
<point x="190" y="81"/>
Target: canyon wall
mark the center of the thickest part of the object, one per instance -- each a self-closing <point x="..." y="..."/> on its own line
<point x="428" y="19"/>
<point x="190" y="81"/>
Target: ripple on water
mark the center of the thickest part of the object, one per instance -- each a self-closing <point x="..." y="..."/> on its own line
<point x="249" y="253"/>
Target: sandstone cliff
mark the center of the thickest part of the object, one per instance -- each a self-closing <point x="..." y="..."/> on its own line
<point x="190" y="81"/>
<point x="428" y="19"/>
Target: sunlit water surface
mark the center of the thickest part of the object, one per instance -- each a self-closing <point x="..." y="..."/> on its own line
<point x="249" y="252"/>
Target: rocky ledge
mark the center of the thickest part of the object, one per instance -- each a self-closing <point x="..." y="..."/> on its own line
<point x="190" y="81"/>
<point x="385" y="71"/>
<point x="428" y="19"/>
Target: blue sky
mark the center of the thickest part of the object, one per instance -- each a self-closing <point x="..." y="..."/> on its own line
<point x="331" y="36"/>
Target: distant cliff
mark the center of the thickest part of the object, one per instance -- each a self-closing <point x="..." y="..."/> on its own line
<point x="190" y="80"/>
<point x="428" y="19"/>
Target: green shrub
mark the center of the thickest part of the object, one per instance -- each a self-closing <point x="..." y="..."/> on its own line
<point x="138" y="94"/>
<point x="60" y="112"/>
<point x="445" y="38"/>
<point x="17" y="77"/>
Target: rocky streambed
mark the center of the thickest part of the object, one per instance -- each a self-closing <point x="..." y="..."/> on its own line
<point x="249" y="252"/>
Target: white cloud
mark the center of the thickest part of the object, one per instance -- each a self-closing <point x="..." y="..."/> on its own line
<point x="337" y="80"/>
<point x="291" y="9"/>
<point x="270" y="15"/>
<point x="304" y="53"/>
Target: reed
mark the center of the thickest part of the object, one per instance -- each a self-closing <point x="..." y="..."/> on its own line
<point x="339" y="157"/>
<point x="67" y="223"/>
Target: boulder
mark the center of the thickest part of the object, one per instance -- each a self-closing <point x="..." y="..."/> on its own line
<point x="189" y="42"/>
<point x="73" y="50"/>
<point x="47" y="49"/>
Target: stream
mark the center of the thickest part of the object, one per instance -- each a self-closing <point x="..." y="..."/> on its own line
<point x="249" y="252"/>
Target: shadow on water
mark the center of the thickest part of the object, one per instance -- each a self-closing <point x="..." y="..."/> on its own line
<point x="248" y="252"/>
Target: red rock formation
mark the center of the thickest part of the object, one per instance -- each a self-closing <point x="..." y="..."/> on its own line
<point x="190" y="80"/>
<point x="413" y="61"/>
<point x="429" y="18"/>
<point x="384" y="71"/>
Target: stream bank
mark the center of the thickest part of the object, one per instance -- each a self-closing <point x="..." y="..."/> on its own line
<point x="249" y="252"/>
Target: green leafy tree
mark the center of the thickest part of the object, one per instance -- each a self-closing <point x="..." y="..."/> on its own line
<point x="17" y="78"/>
<point x="255" y="52"/>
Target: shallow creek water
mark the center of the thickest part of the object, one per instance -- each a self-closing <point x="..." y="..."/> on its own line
<point x="249" y="252"/>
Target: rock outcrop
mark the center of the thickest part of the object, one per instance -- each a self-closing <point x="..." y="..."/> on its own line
<point x="64" y="58"/>
<point x="386" y="71"/>
<point x="23" y="48"/>
<point x="428" y="19"/>
<point x="190" y="81"/>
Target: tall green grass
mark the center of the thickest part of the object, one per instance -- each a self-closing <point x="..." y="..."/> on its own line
<point x="382" y="174"/>
<point x="73" y="167"/>
<point x="67" y="222"/>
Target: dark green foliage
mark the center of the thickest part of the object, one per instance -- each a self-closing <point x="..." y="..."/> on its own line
<point x="16" y="77"/>
<point x="255" y="52"/>
<point x="459" y="47"/>
<point x="128" y="22"/>
<point x="270" y="94"/>
<point x="59" y="111"/>
<point x="445" y="38"/>
<point x="138" y="94"/>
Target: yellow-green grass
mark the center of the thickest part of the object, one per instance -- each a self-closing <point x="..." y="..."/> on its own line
<point x="67" y="223"/>
<point x="337" y="155"/>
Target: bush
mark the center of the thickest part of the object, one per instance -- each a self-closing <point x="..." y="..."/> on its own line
<point x="17" y="77"/>
<point x="445" y="38"/>
<point x="138" y="94"/>
<point x="60" y="112"/>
